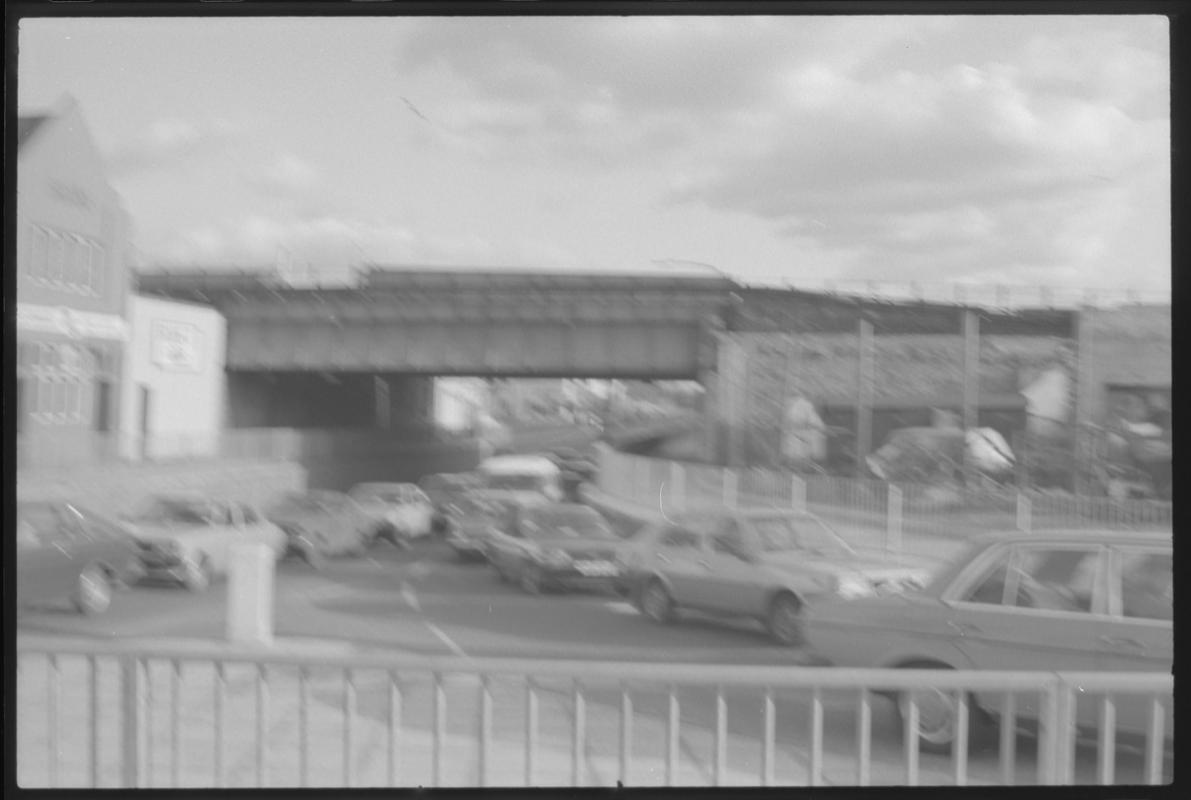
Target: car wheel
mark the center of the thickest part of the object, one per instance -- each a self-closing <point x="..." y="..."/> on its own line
<point x="532" y="580"/>
<point x="656" y="602"/>
<point x="196" y="574"/>
<point x="93" y="592"/>
<point x="784" y="620"/>
<point x="938" y="712"/>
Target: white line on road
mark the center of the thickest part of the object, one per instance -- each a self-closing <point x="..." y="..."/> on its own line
<point x="447" y="640"/>
<point x="408" y="595"/>
<point x="418" y="569"/>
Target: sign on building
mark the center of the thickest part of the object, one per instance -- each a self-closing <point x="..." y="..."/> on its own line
<point x="176" y="346"/>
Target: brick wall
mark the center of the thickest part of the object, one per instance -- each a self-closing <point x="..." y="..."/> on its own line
<point x="119" y="488"/>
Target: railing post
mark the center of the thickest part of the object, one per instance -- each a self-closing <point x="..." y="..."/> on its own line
<point x="730" y="479"/>
<point x="1024" y="507"/>
<point x="131" y="733"/>
<point x="1056" y="742"/>
<point x="893" y="521"/>
<point x="677" y="485"/>
<point x="798" y="492"/>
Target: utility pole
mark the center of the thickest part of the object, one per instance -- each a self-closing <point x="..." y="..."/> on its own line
<point x="971" y="377"/>
<point x="864" y="395"/>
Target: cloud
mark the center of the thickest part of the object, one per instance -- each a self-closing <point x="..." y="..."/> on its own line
<point x="284" y="175"/>
<point x="918" y="146"/>
<point x="168" y="142"/>
<point x="334" y="244"/>
<point x="934" y="174"/>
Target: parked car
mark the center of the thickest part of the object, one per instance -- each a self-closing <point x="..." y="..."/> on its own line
<point x="575" y="470"/>
<point x="475" y="519"/>
<point x="762" y="563"/>
<point x="444" y="489"/>
<point x="555" y="546"/>
<point x="570" y="459"/>
<point x="188" y="538"/>
<point x="66" y="551"/>
<point x="322" y="523"/>
<point x="400" y="512"/>
<point x="522" y="479"/>
<point x="1047" y="600"/>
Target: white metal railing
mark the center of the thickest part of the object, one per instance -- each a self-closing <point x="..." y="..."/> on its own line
<point x="105" y="714"/>
<point x="871" y="503"/>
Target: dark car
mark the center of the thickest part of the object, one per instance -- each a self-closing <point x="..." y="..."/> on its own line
<point x="475" y="519"/>
<point x="445" y="490"/>
<point x="66" y="551"/>
<point x="554" y="546"/>
<point x="1045" y="601"/>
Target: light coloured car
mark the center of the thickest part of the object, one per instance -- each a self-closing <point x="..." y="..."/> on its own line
<point x="556" y="546"/>
<point x="400" y="512"/>
<point x="66" y="551"/>
<point x="1047" y="600"/>
<point x="321" y="523"/>
<point x="522" y="479"/>
<point x="189" y="538"/>
<point x="764" y="564"/>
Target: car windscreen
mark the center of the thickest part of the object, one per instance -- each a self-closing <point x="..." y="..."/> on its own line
<point x="514" y="483"/>
<point x="566" y="523"/>
<point x="178" y="511"/>
<point x="777" y="534"/>
<point x="474" y="506"/>
<point x="310" y="503"/>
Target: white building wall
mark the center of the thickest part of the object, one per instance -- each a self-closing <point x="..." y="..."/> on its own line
<point x="175" y="364"/>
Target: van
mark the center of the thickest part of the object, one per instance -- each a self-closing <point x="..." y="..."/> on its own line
<point x="523" y="479"/>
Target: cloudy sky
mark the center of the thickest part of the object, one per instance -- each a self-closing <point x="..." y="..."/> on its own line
<point x="1000" y="149"/>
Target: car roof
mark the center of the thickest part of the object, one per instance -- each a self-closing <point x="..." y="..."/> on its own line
<point x="519" y="465"/>
<point x="379" y="486"/>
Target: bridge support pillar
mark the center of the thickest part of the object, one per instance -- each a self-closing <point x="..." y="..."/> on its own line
<point x="411" y="400"/>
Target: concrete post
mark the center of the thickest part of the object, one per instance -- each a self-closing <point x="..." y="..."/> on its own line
<point x="250" y="594"/>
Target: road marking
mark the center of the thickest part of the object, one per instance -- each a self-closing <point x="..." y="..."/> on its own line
<point x="408" y="595"/>
<point x="419" y="569"/>
<point x="447" y="640"/>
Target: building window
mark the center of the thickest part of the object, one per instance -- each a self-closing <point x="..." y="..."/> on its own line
<point x="68" y="260"/>
<point x="78" y="276"/>
<point x="97" y="269"/>
<point x="57" y="257"/>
